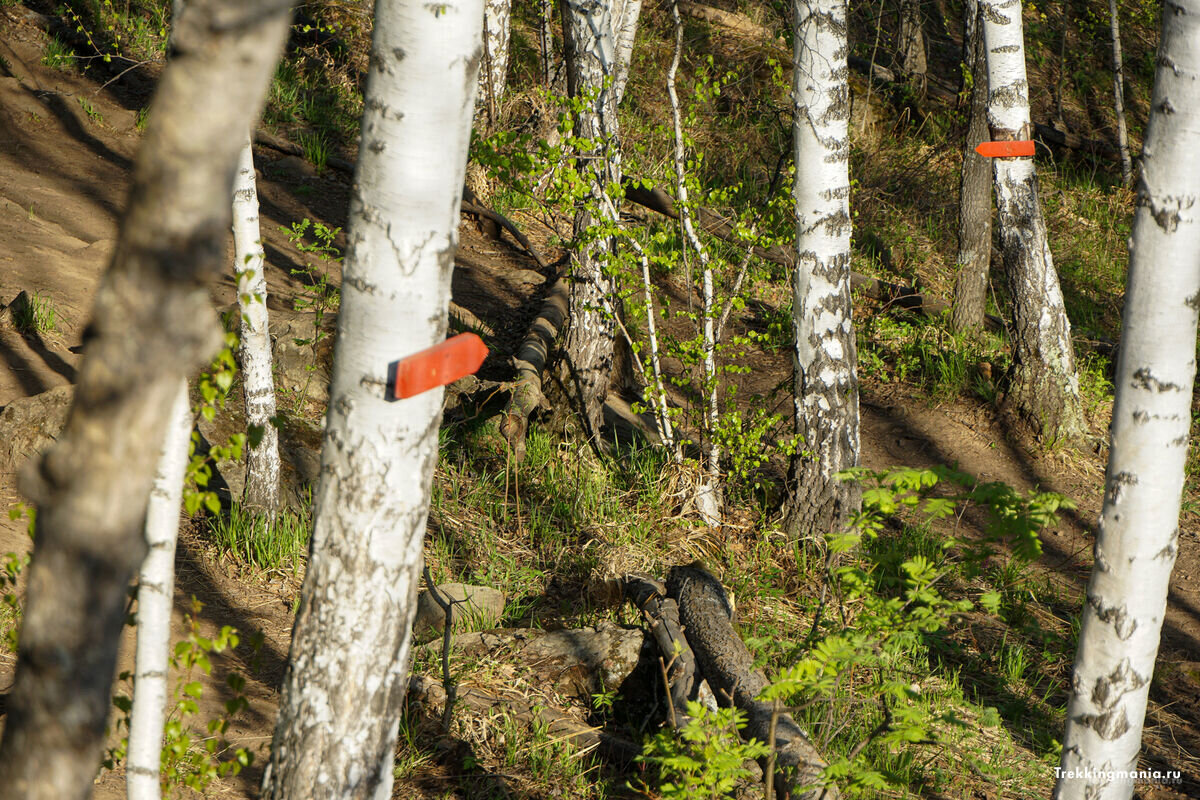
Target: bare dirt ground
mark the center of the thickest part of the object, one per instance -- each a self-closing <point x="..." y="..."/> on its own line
<point x="66" y="146"/>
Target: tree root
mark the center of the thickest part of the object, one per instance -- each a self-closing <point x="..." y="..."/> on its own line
<point x="530" y="360"/>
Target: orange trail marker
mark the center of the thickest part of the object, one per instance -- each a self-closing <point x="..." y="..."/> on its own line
<point x="436" y="366"/>
<point x="1005" y="149"/>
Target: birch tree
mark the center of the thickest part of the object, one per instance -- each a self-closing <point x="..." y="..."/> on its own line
<point x="347" y="673"/>
<point x="626" y="15"/>
<point x="152" y="323"/>
<point x="1044" y="386"/>
<point x="826" y="385"/>
<point x="258" y="384"/>
<point x="590" y="55"/>
<point x="975" y="189"/>
<point x="155" y="595"/>
<point x="493" y="74"/>
<point x="1119" y="95"/>
<point x="1139" y="523"/>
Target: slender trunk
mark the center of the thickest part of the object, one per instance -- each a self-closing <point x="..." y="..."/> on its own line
<point x="347" y="673"/>
<point x="1044" y="387"/>
<point x="493" y="74"/>
<point x="709" y="353"/>
<point x="1139" y="523"/>
<point x="657" y="385"/>
<point x="826" y="385"/>
<point x="152" y="324"/>
<point x="975" y="190"/>
<point x="546" y="41"/>
<point x="156" y="590"/>
<point x="1119" y="96"/>
<point x="258" y="383"/>
<point x="589" y="46"/>
<point x="625" y="26"/>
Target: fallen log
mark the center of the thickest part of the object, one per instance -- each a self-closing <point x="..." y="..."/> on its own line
<point x="618" y="751"/>
<point x="529" y="361"/>
<point x="678" y="661"/>
<point x="728" y="666"/>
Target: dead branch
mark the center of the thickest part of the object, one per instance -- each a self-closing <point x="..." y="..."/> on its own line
<point x="727" y="665"/>
<point x="662" y="614"/>
<point x="530" y="360"/>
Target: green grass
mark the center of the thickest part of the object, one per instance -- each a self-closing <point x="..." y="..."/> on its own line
<point x="268" y="542"/>
<point x="90" y="110"/>
<point x="37" y="315"/>
<point x="58" y="55"/>
<point x="316" y="149"/>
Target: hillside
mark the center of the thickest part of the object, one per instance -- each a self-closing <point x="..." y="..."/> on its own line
<point x="550" y="530"/>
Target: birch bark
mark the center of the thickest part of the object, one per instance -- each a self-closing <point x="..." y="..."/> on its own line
<point x="1044" y="387"/>
<point x="626" y="14"/>
<point x="156" y="590"/>
<point x="258" y="383"/>
<point x="493" y="74"/>
<point x="347" y="674"/>
<point x="1139" y="522"/>
<point x="1119" y="95"/>
<point x="826" y="384"/>
<point x="590" y="55"/>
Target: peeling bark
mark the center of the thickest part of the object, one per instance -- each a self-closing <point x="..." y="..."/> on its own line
<point x="826" y="384"/>
<point x="1137" y="541"/>
<point x="152" y="324"/>
<point x="348" y="669"/>
<point x="1043" y="386"/>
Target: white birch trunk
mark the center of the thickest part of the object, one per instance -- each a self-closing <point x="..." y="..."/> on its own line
<point x="1044" y="386"/>
<point x="1119" y="96"/>
<point x="826" y="384"/>
<point x="493" y="74"/>
<point x="262" y="462"/>
<point x="347" y="674"/>
<point x="626" y="14"/>
<point x="156" y="589"/>
<point x="590" y="340"/>
<point x="1139" y="523"/>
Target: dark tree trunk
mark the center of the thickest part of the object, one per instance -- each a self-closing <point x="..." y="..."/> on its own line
<point x="910" y="48"/>
<point x="975" y="192"/>
<point x="152" y="324"/>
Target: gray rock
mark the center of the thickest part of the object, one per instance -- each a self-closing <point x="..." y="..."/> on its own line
<point x="475" y="608"/>
<point x="29" y="425"/>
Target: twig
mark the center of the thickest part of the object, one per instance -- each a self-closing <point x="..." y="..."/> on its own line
<point x="447" y="607"/>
